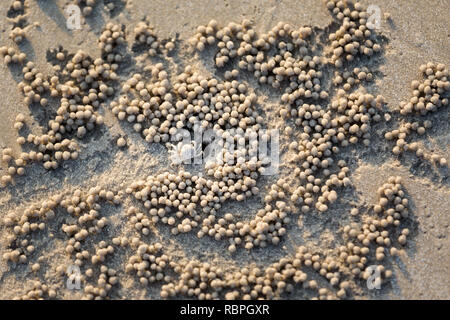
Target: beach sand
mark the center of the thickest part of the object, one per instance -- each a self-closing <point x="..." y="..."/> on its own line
<point x="416" y="32"/>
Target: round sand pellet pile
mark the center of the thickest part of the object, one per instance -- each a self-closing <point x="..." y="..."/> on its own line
<point x="429" y="95"/>
<point x="149" y="263"/>
<point x="343" y="267"/>
<point x="18" y="34"/>
<point x="110" y="42"/>
<point x="346" y="122"/>
<point x="12" y="55"/>
<point x="146" y="37"/>
<point x="86" y="6"/>
<point x="80" y="84"/>
<point x="82" y="221"/>
<point x="159" y="109"/>
<point x="353" y="38"/>
<point x="17" y="11"/>
<point x="293" y="64"/>
<point x="38" y="291"/>
<point x="350" y="79"/>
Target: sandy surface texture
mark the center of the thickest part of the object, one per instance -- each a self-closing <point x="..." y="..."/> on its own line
<point x="92" y="209"/>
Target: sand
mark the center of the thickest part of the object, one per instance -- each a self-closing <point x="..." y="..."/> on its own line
<point x="418" y="32"/>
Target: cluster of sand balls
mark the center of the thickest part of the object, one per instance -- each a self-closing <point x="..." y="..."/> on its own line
<point x="353" y="37"/>
<point x="105" y="282"/>
<point x="158" y="105"/>
<point x="342" y="267"/>
<point x="225" y="37"/>
<point x="316" y="193"/>
<point x="180" y="200"/>
<point x="17" y="17"/>
<point x="81" y="220"/>
<point x="381" y="233"/>
<point x="149" y="263"/>
<point x="431" y="93"/>
<point x="186" y="202"/>
<point x="139" y="220"/>
<point x="17" y="8"/>
<point x="401" y="134"/>
<point x="34" y="85"/>
<point x="13" y="168"/>
<point x="159" y="109"/>
<point x="12" y="55"/>
<point x="84" y="207"/>
<point x="428" y="96"/>
<point x="80" y="84"/>
<point x="346" y="121"/>
<point x="283" y="56"/>
<point x="267" y="227"/>
<point x="18" y="34"/>
<point x="205" y="281"/>
<point x="145" y="36"/>
<point x="349" y="80"/>
<point x="38" y="291"/>
<point x="87" y="6"/>
<point x="110" y="42"/>
<point x="50" y="149"/>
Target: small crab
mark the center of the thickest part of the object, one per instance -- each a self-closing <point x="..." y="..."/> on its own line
<point x="183" y="152"/>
